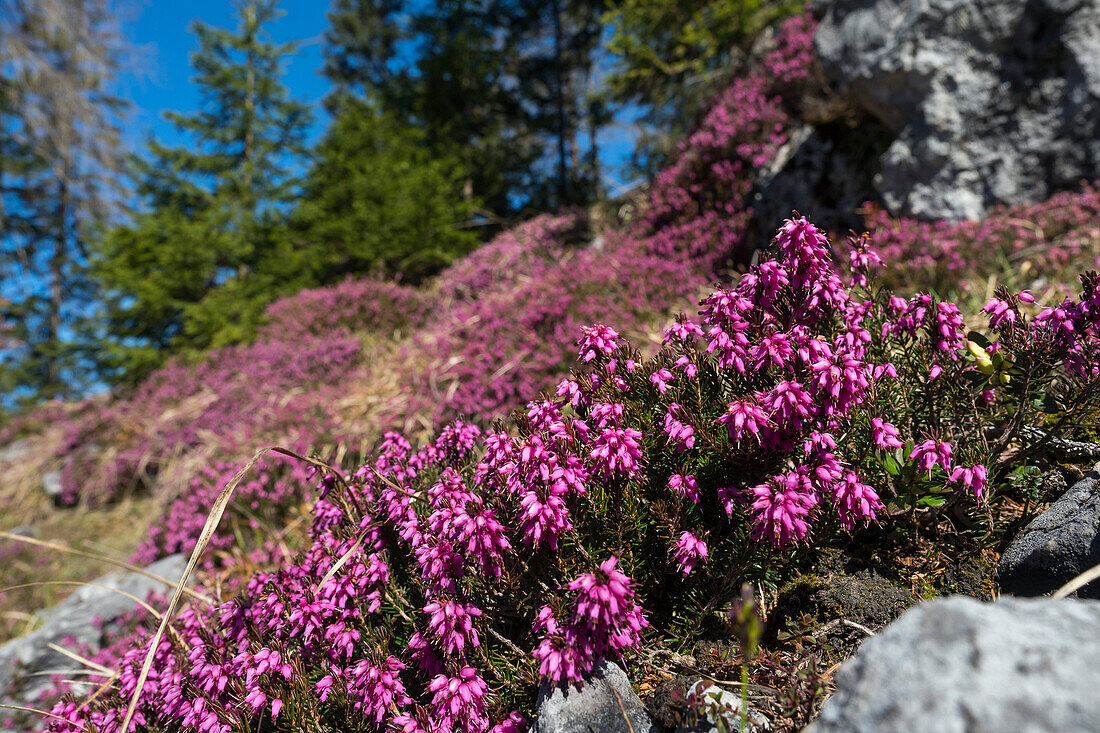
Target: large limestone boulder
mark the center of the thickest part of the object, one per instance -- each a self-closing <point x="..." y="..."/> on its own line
<point x="963" y="666"/>
<point x="990" y="101"/>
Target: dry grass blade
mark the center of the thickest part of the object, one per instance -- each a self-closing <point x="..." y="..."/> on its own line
<point x="105" y="686"/>
<point x="622" y="709"/>
<point x="343" y="559"/>
<point x="121" y="592"/>
<point x="83" y="660"/>
<point x="96" y="556"/>
<point x="1079" y="582"/>
<point x="45" y="713"/>
<point x="212" y="520"/>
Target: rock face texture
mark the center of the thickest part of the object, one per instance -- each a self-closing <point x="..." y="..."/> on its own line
<point x="80" y="619"/>
<point x="1058" y="545"/>
<point x="990" y="101"/>
<point x="604" y="703"/>
<point x="960" y="665"/>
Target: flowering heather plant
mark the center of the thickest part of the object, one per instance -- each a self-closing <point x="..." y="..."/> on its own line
<point x="442" y="582"/>
<point x="352" y="306"/>
<point x="1043" y="244"/>
<point x="502" y="330"/>
<point x="234" y="398"/>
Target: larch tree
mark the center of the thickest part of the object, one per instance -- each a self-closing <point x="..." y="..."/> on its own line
<point x="59" y="182"/>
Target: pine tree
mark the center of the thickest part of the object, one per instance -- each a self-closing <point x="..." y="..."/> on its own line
<point x="502" y="85"/>
<point x="196" y="268"/>
<point x="377" y="199"/>
<point x="58" y="181"/>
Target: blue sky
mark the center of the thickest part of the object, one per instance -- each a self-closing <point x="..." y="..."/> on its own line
<point x="160" y="77"/>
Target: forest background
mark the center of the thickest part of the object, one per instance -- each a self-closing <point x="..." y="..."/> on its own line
<point x="438" y="125"/>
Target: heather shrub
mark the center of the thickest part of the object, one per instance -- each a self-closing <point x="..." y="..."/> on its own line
<point x="233" y="399"/>
<point x="351" y="306"/>
<point x="626" y="507"/>
<point x="1038" y="246"/>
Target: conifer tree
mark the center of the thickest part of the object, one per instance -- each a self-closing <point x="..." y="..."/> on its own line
<point x="502" y="85"/>
<point x="59" y="166"/>
<point x="198" y="265"/>
<point x="378" y="199"/>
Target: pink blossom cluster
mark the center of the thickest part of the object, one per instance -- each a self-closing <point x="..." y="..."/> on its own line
<point x="552" y="545"/>
<point x="1047" y="236"/>
<point x="368" y="304"/>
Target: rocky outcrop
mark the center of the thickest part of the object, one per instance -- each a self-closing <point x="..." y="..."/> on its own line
<point x="960" y="665"/>
<point x="606" y="702"/>
<point x="79" y="622"/>
<point x="1058" y="545"/>
<point x="988" y="101"/>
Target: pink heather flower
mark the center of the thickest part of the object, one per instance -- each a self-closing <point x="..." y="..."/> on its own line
<point x="377" y="689"/>
<point x="854" y="501"/>
<point x="683" y="330"/>
<point x="595" y="340"/>
<point x="689" y="551"/>
<point x="424" y="654"/>
<point x="772" y="351"/>
<point x="972" y="478"/>
<point x="452" y="623"/>
<point x="680" y="433"/>
<point x="514" y="723"/>
<point x="618" y="450"/>
<point x="543" y="414"/>
<point x="1025" y="296"/>
<point x="544" y="520"/>
<point x="885" y="370"/>
<point x="605" y="414"/>
<point x="570" y="390"/>
<point x="931" y="453"/>
<point x="324" y="687"/>
<point x="728" y="497"/>
<point x="884" y="434"/>
<point x="999" y="312"/>
<point x="948" y="329"/>
<point x="685" y="486"/>
<point x="603" y="596"/>
<point x="781" y="508"/>
<point x="687" y="366"/>
<point x="661" y="378"/>
<point x="485" y="540"/>
<point x="557" y="658"/>
<point x="460" y="699"/>
<point x="788" y="404"/>
<point x="744" y="418"/>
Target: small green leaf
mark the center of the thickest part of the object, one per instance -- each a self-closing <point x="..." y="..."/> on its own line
<point x="979" y="338"/>
<point x="931" y="501"/>
<point x="891" y="465"/>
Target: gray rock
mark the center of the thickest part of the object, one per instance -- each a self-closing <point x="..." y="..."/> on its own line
<point x="722" y="710"/>
<point x="80" y="619"/>
<point x="1058" y="545"/>
<point x="825" y="172"/>
<point x="963" y="666"/>
<point x="15" y="451"/>
<point x="595" y="707"/>
<point x="51" y="484"/>
<point x="991" y="101"/>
